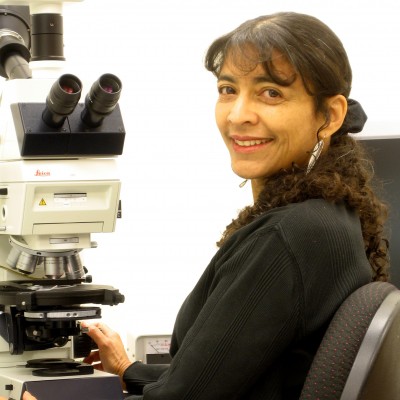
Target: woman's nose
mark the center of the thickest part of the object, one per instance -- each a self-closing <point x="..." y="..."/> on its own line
<point x="242" y="111"/>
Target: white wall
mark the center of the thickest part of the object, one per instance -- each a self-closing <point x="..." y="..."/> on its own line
<point x="178" y="190"/>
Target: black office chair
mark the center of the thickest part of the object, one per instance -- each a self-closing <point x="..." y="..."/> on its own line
<point x="359" y="356"/>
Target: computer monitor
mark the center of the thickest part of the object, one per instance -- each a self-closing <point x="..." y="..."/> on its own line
<point x="385" y="153"/>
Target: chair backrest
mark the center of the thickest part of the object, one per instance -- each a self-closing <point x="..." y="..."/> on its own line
<point x="359" y="355"/>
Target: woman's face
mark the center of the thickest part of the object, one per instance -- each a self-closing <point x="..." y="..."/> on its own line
<point x="265" y="126"/>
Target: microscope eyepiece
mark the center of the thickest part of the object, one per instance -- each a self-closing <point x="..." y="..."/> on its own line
<point x="62" y="100"/>
<point x="101" y="99"/>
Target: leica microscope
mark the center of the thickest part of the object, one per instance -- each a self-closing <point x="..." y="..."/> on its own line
<point x="59" y="140"/>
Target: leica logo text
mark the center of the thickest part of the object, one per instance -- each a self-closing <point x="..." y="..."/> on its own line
<point x="42" y="173"/>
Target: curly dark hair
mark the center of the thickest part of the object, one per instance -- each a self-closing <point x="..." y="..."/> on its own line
<point x="344" y="173"/>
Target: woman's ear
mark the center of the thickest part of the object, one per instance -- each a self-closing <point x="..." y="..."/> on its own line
<point x="337" y="109"/>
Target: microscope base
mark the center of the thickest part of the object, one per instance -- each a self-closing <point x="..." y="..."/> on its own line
<point x="14" y="381"/>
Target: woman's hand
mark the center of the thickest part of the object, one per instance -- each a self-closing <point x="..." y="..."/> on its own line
<point x="28" y="396"/>
<point x="111" y="356"/>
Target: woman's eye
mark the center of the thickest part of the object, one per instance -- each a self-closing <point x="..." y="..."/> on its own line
<point x="225" y="90"/>
<point x="271" y="96"/>
<point x="271" y="93"/>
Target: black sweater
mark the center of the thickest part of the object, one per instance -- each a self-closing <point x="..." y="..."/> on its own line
<point x="251" y="325"/>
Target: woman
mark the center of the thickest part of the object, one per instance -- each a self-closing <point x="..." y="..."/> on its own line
<point x="251" y="326"/>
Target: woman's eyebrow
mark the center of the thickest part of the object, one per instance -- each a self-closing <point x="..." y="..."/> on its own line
<point x="256" y="79"/>
<point x="227" y="78"/>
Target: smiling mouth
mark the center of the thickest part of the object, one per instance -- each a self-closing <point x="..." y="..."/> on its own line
<point x="248" y="143"/>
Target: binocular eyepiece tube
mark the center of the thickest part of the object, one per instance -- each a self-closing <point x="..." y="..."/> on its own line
<point x="62" y="100"/>
<point x="101" y="99"/>
<point x="65" y="93"/>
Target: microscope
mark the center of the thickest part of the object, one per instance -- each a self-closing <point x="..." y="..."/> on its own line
<point x="59" y="141"/>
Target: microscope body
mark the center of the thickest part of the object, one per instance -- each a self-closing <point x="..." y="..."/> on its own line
<point x="59" y="184"/>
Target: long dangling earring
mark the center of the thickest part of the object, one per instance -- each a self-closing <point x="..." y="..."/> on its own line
<point x="314" y="155"/>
